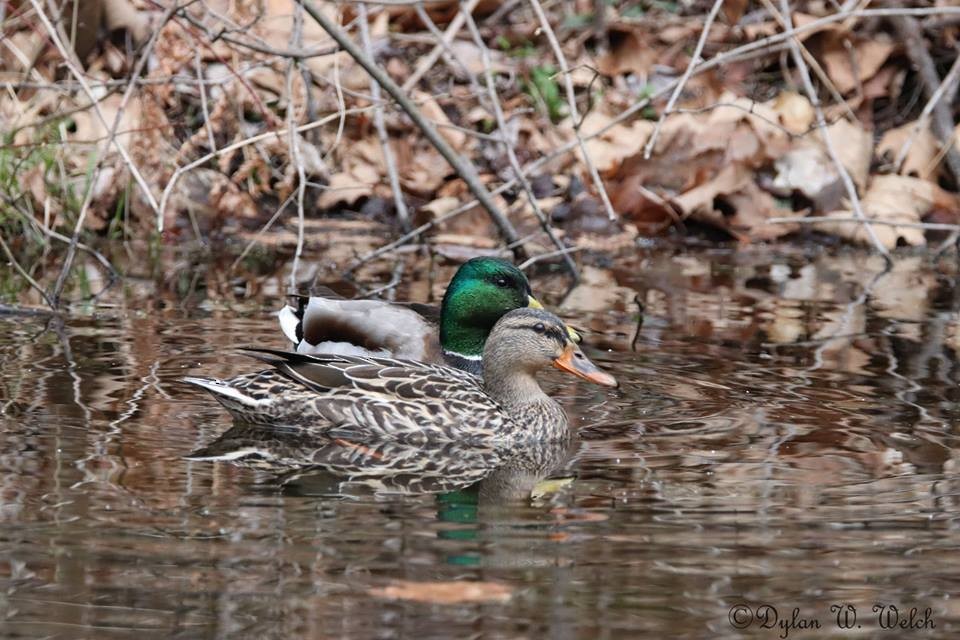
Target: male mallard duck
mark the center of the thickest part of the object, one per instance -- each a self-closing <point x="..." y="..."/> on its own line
<point x="385" y="398"/>
<point x="482" y="290"/>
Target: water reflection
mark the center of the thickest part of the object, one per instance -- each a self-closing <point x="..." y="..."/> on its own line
<point x="300" y="457"/>
<point x="784" y="434"/>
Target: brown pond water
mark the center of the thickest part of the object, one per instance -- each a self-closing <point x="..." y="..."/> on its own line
<point x="785" y="435"/>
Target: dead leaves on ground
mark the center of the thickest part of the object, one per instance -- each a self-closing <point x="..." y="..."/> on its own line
<point x="894" y="199"/>
<point x="722" y="159"/>
<point x="745" y="163"/>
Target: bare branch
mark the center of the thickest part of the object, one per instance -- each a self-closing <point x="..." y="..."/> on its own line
<point x="572" y="105"/>
<point x="461" y="165"/>
<point x="694" y="60"/>
<point x="825" y="135"/>
<point x="381" y="126"/>
<point x="935" y="90"/>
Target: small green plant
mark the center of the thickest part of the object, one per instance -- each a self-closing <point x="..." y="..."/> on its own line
<point x="523" y="49"/>
<point x="646" y="92"/>
<point x="577" y="20"/>
<point x="545" y="91"/>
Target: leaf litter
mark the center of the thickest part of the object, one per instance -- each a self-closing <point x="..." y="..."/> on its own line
<point x="740" y="149"/>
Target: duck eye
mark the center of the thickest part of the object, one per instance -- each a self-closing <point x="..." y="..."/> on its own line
<point x="539" y="328"/>
<point x="501" y="281"/>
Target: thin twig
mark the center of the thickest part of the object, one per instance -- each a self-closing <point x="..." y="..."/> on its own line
<point x="380" y="124"/>
<point x="451" y="54"/>
<point x="171" y="183"/>
<point x="263" y="230"/>
<point x="572" y="105"/>
<point x="294" y="143"/>
<point x="565" y="251"/>
<point x="300" y="54"/>
<point x="341" y="108"/>
<point x="694" y="60"/>
<point x="749" y="50"/>
<point x="814" y="64"/>
<point x="928" y="226"/>
<point x="426" y="63"/>
<point x="825" y="135"/>
<point x="26" y="276"/>
<point x="395" y="277"/>
<point x="934" y="88"/>
<point x="508" y="147"/>
<point x="74" y="67"/>
<point x="948" y="80"/>
<point x="99" y="257"/>
<point x="207" y="125"/>
<point x="461" y="165"/>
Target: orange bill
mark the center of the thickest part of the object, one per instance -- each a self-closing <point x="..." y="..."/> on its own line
<point x="573" y="361"/>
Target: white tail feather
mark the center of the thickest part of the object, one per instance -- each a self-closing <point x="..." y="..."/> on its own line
<point x="221" y="390"/>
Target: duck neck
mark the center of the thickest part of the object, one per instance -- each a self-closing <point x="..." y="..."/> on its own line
<point x="514" y="390"/>
<point x="513" y="386"/>
<point x="466" y="317"/>
<point x="461" y="340"/>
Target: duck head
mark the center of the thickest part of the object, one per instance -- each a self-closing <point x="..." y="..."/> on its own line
<point x="480" y="293"/>
<point x="525" y="341"/>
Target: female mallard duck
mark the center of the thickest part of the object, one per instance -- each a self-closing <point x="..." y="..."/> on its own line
<point x="383" y="398"/>
<point x="311" y="462"/>
<point x="482" y="290"/>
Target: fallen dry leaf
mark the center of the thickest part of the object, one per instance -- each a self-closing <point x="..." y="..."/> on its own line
<point x="719" y="150"/>
<point x="887" y="81"/>
<point x="432" y="110"/>
<point x="849" y="69"/>
<point x="631" y="51"/>
<point x="453" y="592"/>
<point x="893" y="198"/>
<point x="920" y="159"/>
<point x="470" y="55"/>
<point x="698" y="202"/>
<point x="612" y="147"/>
<point x="440" y="206"/>
<point x="422" y="170"/>
<point x="795" y="112"/>
<point x="807" y="169"/>
<point x="733" y="10"/>
<point x="89" y="128"/>
<point x="596" y="291"/>
<point x="276" y="25"/>
<point x="464" y="240"/>
<point x="344" y="188"/>
<point x="854" y="146"/>
<point x="121" y="14"/>
<point x="84" y="24"/>
<point x="751" y="207"/>
<point x="763" y="29"/>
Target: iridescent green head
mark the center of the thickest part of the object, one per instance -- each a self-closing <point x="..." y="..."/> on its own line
<point x="482" y="290"/>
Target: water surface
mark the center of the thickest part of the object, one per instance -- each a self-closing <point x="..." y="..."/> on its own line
<point x="784" y="435"/>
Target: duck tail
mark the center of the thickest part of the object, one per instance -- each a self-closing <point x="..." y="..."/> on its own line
<point x="290" y="323"/>
<point x="229" y="396"/>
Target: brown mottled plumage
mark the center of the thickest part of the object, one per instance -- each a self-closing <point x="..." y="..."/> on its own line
<point x="374" y="398"/>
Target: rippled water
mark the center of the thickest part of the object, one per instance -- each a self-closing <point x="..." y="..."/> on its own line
<point x="784" y="435"/>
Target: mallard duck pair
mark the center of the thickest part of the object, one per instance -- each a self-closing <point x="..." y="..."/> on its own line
<point x="385" y="371"/>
